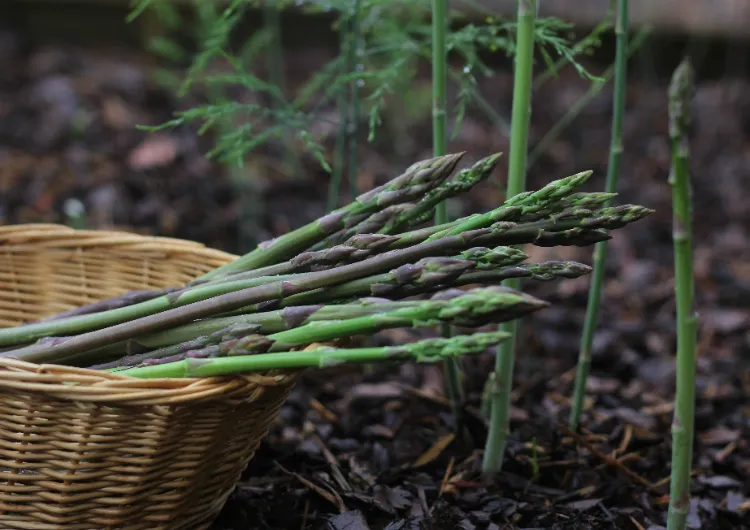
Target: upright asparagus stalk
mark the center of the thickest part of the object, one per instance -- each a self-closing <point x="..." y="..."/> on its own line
<point x="353" y="133"/>
<point x="439" y="82"/>
<point x="600" y="250"/>
<point x="520" y="117"/>
<point x="680" y="99"/>
<point x="439" y="143"/>
<point x="425" y="351"/>
<point x="334" y="188"/>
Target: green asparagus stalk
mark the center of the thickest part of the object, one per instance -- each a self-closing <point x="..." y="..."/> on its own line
<point x="126" y="299"/>
<point x="680" y="99"/>
<point x="343" y="110"/>
<point x="353" y="52"/>
<point x="393" y="219"/>
<point x="451" y="367"/>
<point x="370" y="224"/>
<point x="472" y="308"/>
<point x="580" y="202"/>
<point x="215" y="338"/>
<point x="458" y="185"/>
<point x="200" y="302"/>
<point x="523" y="204"/>
<point x="363" y="245"/>
<point x="425" y="351"/>
<point x="520" y="117"/>
<point x="293" y="316"/>
<point x="397" y="286"/>
<point x="262" y="323"/>
<point x="581" y="221"/>
<point x="356" y="248"/>
<point x="414" y="182"/>
<point x="600" y="250"/>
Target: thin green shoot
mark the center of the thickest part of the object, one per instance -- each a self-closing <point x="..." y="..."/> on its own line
<point x="600" y="250"/>
<point x="520" y="118"/>
<point x="683" y="423"/>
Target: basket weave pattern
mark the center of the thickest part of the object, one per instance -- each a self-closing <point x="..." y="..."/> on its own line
<point x="88" y="450"/>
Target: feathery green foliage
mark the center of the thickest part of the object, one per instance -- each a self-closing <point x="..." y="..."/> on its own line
<point x="392" y="38"/>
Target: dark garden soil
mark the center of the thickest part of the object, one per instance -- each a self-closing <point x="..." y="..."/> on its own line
<point x="373" y="448"/>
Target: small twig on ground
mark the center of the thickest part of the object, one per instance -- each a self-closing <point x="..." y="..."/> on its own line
<point x="332" y="497"/>
<point x="609" y="460"/>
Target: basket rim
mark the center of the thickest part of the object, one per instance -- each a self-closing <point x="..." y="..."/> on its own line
<point x="94" y="386"/>
<point x="35" y="235"/>
<point x="83" y="384"/>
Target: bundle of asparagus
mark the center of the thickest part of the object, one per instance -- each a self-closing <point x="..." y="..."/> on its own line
<point x="368" y="266"/>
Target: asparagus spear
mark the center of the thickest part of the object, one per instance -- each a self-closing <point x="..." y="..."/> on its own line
<point x="215" y="338"/>
<point x="392" y="219"/>
<point x="424" y="351"/>
<point x="398" y="285"/>
<point x="681" y="90"/>
<point x="296" y="315"/>
<point x="413" y="278"/>
<point x="518" y="205"/>
<point x="461" y="183"/>
<point x="415" y="181"/>
<point x="264" y="323"/>
<point x="182" y="307"/>
<point x="471" y="308"/>
<point x="360" y="246"/>
<point x="369" y="225"/>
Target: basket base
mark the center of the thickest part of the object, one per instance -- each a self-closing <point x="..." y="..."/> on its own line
<point x="35" y="525"/>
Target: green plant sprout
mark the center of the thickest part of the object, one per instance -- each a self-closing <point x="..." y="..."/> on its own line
<point x="600" y="250"/>
<point x="521" y="113"/>
<point x="439" y="147"/>
<point x="683" y="424"/>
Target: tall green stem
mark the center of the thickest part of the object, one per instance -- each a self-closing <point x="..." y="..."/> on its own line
<point x="439" y="83"/>
<point x="600" y="250"/>
<point x="520" y="117"/>
<point x="272" y="23"/>
<point x="353" y="135"/>
<point x="680" y="98"/>
<point x="334" y="188"/>
<point x="439" y="145"/>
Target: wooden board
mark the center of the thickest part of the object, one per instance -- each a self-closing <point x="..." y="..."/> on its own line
<point x="709" y="18"/>
<point x="706" y="18"/>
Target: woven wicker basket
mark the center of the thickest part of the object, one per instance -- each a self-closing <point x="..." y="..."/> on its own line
<point x="114" y="452"/>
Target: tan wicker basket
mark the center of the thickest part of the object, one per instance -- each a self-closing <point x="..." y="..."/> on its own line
<point x="86" y="450"/>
